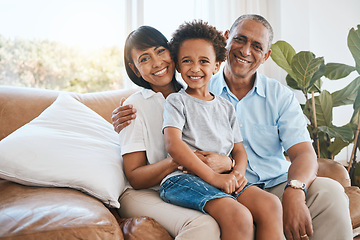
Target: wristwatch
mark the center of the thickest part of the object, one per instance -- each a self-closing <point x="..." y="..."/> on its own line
<point x="297" y="184"/>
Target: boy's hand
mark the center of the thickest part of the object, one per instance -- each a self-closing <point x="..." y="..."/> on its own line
<point x="227" y="182"/>
<point x="122" y="116"/>
<point x="242" y="181"/>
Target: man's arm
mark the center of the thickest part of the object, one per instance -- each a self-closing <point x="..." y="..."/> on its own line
<point x="304" y="166"/>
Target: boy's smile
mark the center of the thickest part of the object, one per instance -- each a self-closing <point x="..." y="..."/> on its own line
<point x="197" y="63"/>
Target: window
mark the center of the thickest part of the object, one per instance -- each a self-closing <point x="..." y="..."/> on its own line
<point x="62" y="44"/>
<point x="77" y="45"/>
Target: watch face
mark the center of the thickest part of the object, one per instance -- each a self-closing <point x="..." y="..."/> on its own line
<point x="296" y="184"/>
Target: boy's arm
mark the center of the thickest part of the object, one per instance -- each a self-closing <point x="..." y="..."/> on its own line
<point x="183" y="155"/>
<point x="240" y="157"/>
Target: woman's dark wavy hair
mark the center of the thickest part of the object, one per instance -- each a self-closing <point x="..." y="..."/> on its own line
<point x="142" y="38"/>
<point x="198" y="29"/>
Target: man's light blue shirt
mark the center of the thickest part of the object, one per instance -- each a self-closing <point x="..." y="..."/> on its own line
<point x="271" y="121"/>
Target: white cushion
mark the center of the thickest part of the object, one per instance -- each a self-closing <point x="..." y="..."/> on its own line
<point x="67" y="145"/>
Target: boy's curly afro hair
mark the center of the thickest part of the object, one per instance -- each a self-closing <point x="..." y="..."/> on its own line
<point x="198" y="29"/>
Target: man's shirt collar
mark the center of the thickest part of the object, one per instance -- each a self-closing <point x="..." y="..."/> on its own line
<point x="218" y="85"/>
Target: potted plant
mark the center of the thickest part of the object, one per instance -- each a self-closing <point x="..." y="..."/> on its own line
<point x="305" y="72"/>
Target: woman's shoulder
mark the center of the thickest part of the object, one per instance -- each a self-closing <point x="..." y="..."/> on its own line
<point x="136" y="98"/>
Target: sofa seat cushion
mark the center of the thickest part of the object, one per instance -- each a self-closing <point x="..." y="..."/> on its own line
<point x="53" y="213"/>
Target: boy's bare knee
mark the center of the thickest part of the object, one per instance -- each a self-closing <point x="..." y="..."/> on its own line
<point x="270" y="209"/>
<point x="241" y="218"/>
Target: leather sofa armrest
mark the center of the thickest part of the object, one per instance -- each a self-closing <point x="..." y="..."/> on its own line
<point x="334" y="170"/>
<point x="353" y="193"/>
<point x="141" y="228"/>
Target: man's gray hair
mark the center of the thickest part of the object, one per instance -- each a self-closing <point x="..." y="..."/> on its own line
<point x="257" y="18"/>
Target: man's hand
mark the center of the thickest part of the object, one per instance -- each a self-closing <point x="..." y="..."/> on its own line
<point x="122" y="116"/>
<point x="297" y="219"/>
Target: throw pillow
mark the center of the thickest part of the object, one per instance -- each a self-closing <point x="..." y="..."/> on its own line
<point x="67" y="145"/>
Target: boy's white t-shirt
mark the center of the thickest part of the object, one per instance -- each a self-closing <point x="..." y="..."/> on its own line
<point x="205" y="125"/>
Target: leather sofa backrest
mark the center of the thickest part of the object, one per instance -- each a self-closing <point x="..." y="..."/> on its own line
<point x="19" y="105"/>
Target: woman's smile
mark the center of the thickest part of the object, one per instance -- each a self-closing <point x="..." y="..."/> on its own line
<point x="161" y="72"/>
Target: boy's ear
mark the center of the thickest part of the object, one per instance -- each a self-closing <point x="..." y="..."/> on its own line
<point x="226" y="34"/>
<point x="134" y="69"/>
<point x="217" y="67"/>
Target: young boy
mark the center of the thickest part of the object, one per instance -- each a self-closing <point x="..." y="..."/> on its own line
<point x="195" y="119"/>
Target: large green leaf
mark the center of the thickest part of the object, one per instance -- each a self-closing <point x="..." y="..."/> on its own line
<point x="282" y="54"/>
<point x="337" y="145"/>
<point x="348" y="94"/>
<point x="317" y="75"/>
<point x="353" y="41"/>
<point x="323" y="107"/>
<point x="344" y="132"/>
<point x="356" y="114"/>
<point x="324" y="145"/>
<point x="316" y="86"/>
<point x="316" y="82"/>
<point x="336" y="71"/>
<point x="292" y="82"/>
<point x="356" y="105"/>
<point x="305" y="65"/>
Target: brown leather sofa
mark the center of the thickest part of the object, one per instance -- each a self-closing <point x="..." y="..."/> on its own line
<point x="60" y="213"/>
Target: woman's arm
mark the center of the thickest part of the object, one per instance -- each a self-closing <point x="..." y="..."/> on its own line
<point x="217" y="162"/>
<point x="142" y="175"/>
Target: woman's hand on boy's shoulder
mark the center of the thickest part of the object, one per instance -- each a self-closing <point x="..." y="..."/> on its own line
<point x="122" y="116"/>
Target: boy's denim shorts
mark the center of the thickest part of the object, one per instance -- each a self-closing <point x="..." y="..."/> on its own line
<point x="191" y="191"/>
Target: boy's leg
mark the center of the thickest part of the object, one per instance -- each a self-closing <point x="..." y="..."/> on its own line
<point x="190" y="191"/>
<point x="235" y="220"/>
<point x="181" y="223"/>
<point x="328" y="205"/>
<point x="266" y="210"/>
